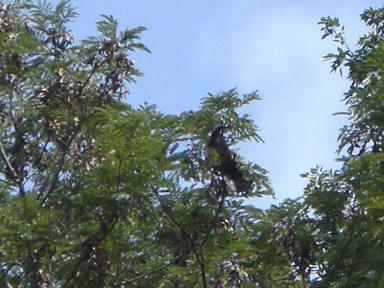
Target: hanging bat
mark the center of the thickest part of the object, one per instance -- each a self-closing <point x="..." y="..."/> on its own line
<point x="228" y="166"/>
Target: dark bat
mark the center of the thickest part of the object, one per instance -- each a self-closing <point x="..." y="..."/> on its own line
<point x="228" y="166"/>
<point x="217" y="142"/>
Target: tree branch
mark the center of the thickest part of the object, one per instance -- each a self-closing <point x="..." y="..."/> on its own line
<point x="198" y="255"/>
<point x="53" y="181"/>
<point x="6" y="160"/>
<point x="7" y="182"/>
<point x="151" y="271"/>
<point x="221" y="204"/>
<point x="16" y="179"/>
<point x="55" y="176"/>
<point x="86" y="253"/>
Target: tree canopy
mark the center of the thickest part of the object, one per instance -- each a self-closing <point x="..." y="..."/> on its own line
<point x="95" y="192"/>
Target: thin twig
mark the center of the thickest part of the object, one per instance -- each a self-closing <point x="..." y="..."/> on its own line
<point x="7" y="182"/>
<point x="16" y="179"/>
<point x="221" y="204"/>
<point x="55" y="176"/>
<point x="152" y="271"/>
<point x="5" y="158"/>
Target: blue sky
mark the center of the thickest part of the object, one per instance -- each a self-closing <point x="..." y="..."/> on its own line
<point x="274" y="47"/>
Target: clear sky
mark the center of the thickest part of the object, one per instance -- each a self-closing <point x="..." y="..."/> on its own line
<point x="274" y="47"/>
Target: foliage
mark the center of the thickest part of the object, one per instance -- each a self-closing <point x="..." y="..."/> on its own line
<point x="332" y="236"/>
<point x="97" y="193"/>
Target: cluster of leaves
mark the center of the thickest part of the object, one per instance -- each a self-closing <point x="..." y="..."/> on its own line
<point x="96" y="193"/>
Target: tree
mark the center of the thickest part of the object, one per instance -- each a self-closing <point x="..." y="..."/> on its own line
<point x="97" y="193"/>
<point x="333" y="235"/>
